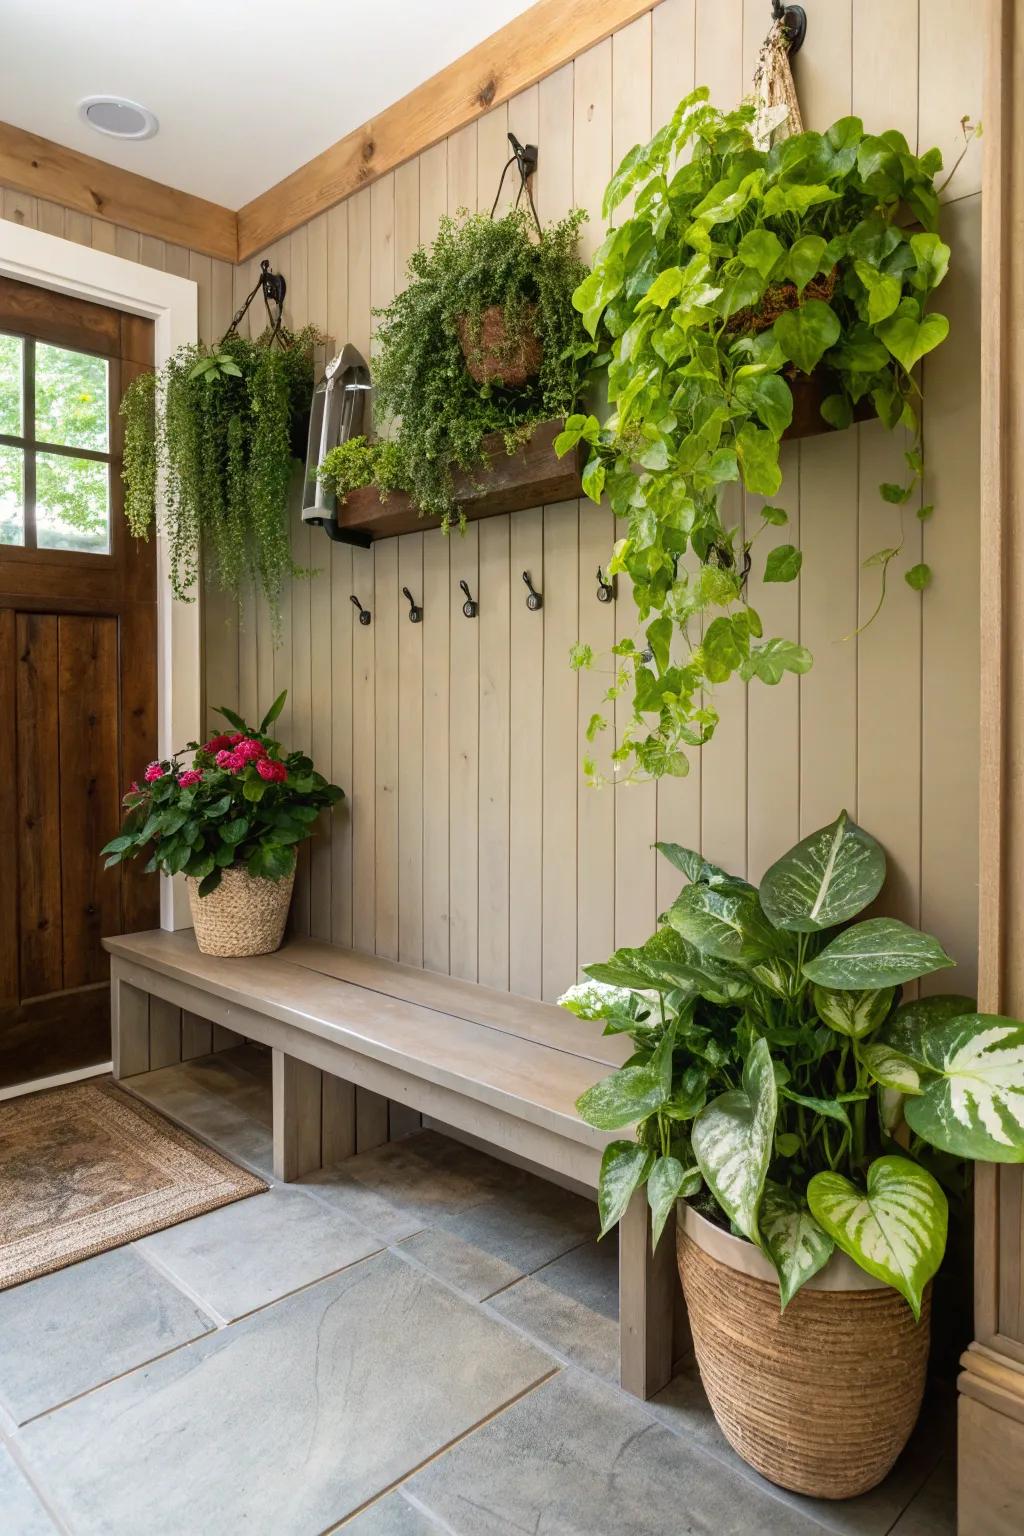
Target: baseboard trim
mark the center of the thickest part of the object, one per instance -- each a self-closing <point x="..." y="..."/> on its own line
<point x="58" y="1080"/>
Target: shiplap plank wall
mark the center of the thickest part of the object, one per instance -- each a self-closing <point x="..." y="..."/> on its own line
<point x="469" y="842"/>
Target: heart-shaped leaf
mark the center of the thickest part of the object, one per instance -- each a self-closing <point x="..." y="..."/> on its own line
<point x="724" y="921"/>
<point x="791" y="1237"/>
<point x="975" y="1107"/>
<point x="805" y="258"/>
<point x="826" y="879"/>
<point x="907" y="337"/>
<point x="913" y="1025"/>
<point x="667" y="1182"/>
<point x="853" y="1013"/>
<point x="883" y="291"/>
<point x="625" y="1096"/>
<point x="770" y="398"/>
<point x="783" y="563"/>
<point x="624" y="1167"/>
<point x="896" y="1230"/>
<point x="889" y="1068"/>
<point x="882" y="952"/>
<point x="771" y="661"/>
<point x="805" y="334"/>
<point x="732" y="1141"/>
<point x="760" y="249"/>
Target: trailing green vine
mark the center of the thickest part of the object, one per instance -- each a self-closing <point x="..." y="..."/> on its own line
<point x="742" y="277"/>
<point x="218" y="422"/>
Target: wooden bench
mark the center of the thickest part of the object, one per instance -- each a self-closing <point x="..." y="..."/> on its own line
<point x="351" y="1034"/>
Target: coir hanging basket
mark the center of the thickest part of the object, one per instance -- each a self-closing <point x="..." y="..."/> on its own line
<point x="491" y="356"/>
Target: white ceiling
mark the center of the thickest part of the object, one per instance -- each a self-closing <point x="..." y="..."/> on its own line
<point x="245" y="90"/>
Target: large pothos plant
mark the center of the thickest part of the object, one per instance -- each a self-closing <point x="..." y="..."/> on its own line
<point x="733" y="279"/>
<point x="780" y="1083"/>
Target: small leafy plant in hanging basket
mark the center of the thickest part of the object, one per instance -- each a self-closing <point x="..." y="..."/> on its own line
<point x="741" y="282"/>
<point x="220" y="423"/>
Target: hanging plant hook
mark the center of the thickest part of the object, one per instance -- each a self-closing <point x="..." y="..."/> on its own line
<point x="794" y="23"/>
<point x="525" y="157"/>
<point x="415" y="611"/>
<point x="470" y="607"/>
<point x="534" y="600"/>
<point x="273" y="287"/>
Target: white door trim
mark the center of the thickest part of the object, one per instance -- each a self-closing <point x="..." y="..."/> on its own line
<point x="171" y="302"/>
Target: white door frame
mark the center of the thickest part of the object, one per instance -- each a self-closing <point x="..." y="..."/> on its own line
<point x="171" y="302"/>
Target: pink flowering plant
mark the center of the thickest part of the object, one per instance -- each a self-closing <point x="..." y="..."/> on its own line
<point x="235" y="799"/>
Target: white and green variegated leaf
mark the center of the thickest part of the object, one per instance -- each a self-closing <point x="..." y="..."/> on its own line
<point x="725" y="922"/>
<point x="853" y="1013"/>
<point x="912" y="1028"/>
<point x="732" y="1140"/>
<point x="667" y="1182"/>
<point x="625" y="1096"/>
<point x="624" y="1167"/>
<point x="890" y="1068"/>
<point x="695" y="867"/>
<point x="791" y="1237"/>
<point x="830" y="1107"/>
<point x="663" y="963"/>
<point x="882" y="952"/>
<point x="596" y="1000"/>
<point x="896" y="1229"/>
<point x="974" y="1107"/>
<point x="825" y="880"/>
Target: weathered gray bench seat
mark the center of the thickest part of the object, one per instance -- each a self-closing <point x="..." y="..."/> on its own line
<point x="350" y="1033"/>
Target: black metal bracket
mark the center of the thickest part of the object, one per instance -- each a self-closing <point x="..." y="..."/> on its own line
<point x="524" y="158"/>
<point x="364" y="613"/>
<point x="607" y="587"/>
<point x="469" y="607"/>
<point x="794" y="22"/>
<point x="535" y="600"/>
<point x="339" y="535"/>
<point x="273" y="287"/>
<point x="415" y="612"/>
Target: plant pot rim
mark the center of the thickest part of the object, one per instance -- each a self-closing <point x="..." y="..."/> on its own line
<point x="839" y="1274"/>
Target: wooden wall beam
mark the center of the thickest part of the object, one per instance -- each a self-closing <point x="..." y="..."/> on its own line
<point x="41" y="168"/>
<point x="539" y="41"/>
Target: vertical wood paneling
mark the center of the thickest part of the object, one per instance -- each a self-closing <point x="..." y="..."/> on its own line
<point x="526" y="759"/>
<point x="495" y="656"/>
<point x="464" y="767"/>
<point x="10" y="889"/>
<point x="950" y="87"/>
<point x="559" y="583"/>
<point x="385" y="625"/>
<point x="885" y="65"/>
<point x="37" y="692"/>
<point x="363" y="809"/>
<point x="342" y="614"/>
<point x="321" y="739"/>
<point x="462" y="185"/>
<point x="410" y="755"/>
<point x="437" y="584"/>
<point x="492" y="151"/>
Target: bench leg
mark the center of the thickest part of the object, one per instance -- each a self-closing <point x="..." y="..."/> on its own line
<point x="129" y="1028"/>
<point x="647" y="1286"/>
<point x="297" y="1117"/>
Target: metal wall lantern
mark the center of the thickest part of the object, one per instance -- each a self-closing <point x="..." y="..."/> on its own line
<point x="337" y="414"/>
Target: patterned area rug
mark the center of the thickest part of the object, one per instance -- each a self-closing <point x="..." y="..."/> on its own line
<point x="87" y="1168"/>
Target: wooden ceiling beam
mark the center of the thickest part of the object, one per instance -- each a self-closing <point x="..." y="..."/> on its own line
<point x="539" y="41"/>
<point x="41" y="168"/>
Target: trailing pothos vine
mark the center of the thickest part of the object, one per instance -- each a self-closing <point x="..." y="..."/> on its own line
<point x="734" y="280"/>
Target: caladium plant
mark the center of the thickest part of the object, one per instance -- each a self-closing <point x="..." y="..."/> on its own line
<point x="779" y="1080"/>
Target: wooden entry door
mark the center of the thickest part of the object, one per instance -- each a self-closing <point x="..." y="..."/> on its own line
<point x="77" y="673"/>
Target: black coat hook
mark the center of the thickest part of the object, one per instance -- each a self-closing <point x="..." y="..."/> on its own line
<point x="469" y="607"/>
<point x="535" y="600"/>
<point x="606" y="587"/>
<point x="415" y="613"/>
<point x="794" y="21"/>
<point x="364" y="613"/>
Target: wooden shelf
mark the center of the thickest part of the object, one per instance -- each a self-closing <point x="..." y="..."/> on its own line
<point x="530" y="477"/>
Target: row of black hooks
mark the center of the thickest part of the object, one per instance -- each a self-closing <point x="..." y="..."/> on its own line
<point x="606" y="593"/>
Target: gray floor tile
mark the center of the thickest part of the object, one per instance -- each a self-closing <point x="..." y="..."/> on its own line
<point x="288" y="1421"/>
<point x="578" y="1458"/>
<point x="573" y="1305"/>
<point x="72" y="1330"/>
<point x="225" y="1098"/>
<point x="932" y="1512"/>
<point x="492" y="1244"/>
<point x="684" y="1408"/>
<point x="393" y="1516"/>
<point x="248" y="1254"/>
<point x="21" y="1513"/>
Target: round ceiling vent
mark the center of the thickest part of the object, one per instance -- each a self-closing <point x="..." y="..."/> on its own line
<point x="118" y="117"/>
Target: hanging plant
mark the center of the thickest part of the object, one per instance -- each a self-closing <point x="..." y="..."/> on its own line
<point x="483" y="339"/>
<point x="743" y="280"/>
<point x="219" y="423"/>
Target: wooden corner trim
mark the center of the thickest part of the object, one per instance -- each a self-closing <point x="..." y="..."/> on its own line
<point x="531" y="46"/>
<point x="43" y="169"/>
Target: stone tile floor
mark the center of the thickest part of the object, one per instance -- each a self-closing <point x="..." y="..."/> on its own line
<point x="423" y="1342"/>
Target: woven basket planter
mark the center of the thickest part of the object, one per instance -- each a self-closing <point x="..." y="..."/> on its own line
<point x="490" y="358"/>
<point x="243" y="916"/>
<point x="820" y="1398"/>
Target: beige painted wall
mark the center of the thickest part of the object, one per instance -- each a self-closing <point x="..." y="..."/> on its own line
<point x="468" y="842"/>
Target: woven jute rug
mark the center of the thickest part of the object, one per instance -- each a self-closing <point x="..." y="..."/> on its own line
<point x="87" y="1168"/>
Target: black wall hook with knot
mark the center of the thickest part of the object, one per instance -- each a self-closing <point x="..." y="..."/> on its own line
<point x="364" y="613"/>
<point x="273" y="287"/>
<point x="535" y="600"/>
<point x="415" y="612"/>
<point x="794" y="22"/>
<point x="606" y="587"/>
<point x="524" y="157"/>
<point x="469" y="607"/>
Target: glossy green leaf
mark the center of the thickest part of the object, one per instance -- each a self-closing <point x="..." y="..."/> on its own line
<point x="624" y="1167"/>
<point x="896" y="1229"/>
<point x="805" y="334"/>
<point x="732" y="1141"/>
<point x="783" y="563"/>
<point x="805" y="259"/>
<point x="918" y="577"/>
<point x="758" y="454"/>
<point x="792" y="1238"/>
<point x="883" y="291"/>
<point x="760" y="249"/>
<point x="624" y="1097"/>
<point x="831" y="1108"/>
<point x="693" y="865"/>
<point x="853" y="1013"/>
<point x="974" y="1107"/>
<point x="723" y="921"/>
<point x="665" y="1184"/>
<point x="771" y="661"/>
<point x="769" y="398"/>
<point x="274" y="711"/>
<point x="882" y="952"/>
<point x="826" y="879"/>
<point x="909" y="338"/>
<point x="889" y="1068"/>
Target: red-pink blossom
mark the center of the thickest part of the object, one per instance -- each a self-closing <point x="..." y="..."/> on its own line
<point x="235" y="738"/>
<point x="153" y="772"/>
<point x="249" y="750"/>
<point x="273" y="772"/>
<point x="133" y="787"/>
<point x="189" y="777"/>
<point x="216" y="744"/>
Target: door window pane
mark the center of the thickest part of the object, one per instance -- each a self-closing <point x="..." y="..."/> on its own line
<point x="12" y="495"/>
<point x="10" y="385"/>
<point x="72" y="504"/>
<point x="71" y="398"/>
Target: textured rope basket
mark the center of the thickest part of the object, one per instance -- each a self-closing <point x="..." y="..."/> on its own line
<point x="490" y="357"/>
<point x="821" y="1398"/>
<point x="243" y="916"/>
